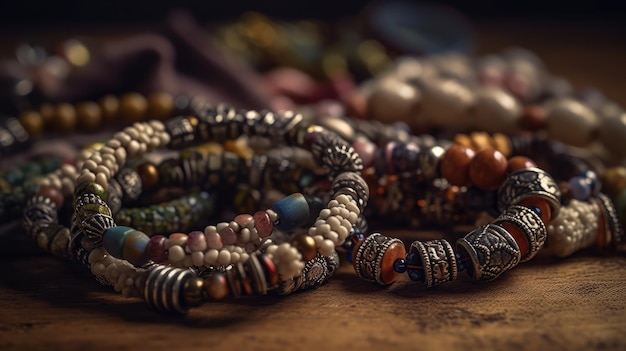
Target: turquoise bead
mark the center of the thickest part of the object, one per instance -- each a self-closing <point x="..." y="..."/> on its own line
<point x="113" y="240"/>
<point x="293" y="211"/>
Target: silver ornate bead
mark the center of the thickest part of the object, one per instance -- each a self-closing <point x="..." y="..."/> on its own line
<point x="115" y="196"/>
<point x="368" y="261"/>
<point x="492" y="250"/>
<point x="39" y="209"/>
<point x="163" y="288"/>
<point x="530" y="224"/>
<point x="130" y="182"/>
<point x="335" y="154"/>
<point x="351" y="183"/>
<point x="438" y="260"/>
<point x="181" y="131"/>
<point x="614" y="231"/>
<point x="94" y="226"/>
<point x="529" y="182"/>
<point x="315" y="273"/>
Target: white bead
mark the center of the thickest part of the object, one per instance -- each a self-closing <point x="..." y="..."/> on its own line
<point x="164" y="139"/>
<point x="613" y="134"/>
<point x="234" y="257"/>
<point x="325" y="213"/>
<point x="102" y="179"/>
<point x="55" y="182"/>
<point x="96" y="157"/>
<point x="133" y="148"/>
<point x="234" y="225"/>
<point x="353" y="217"/>
<point x="243" y="257"/>
<point x="223" y="258"/>
<point x="445" y="103"/>
<point x="392" y="100"/>
<point x="67" y="186"/>
<point x="175" y="254"/>
<point x="132" y="132"/>
<point x="210" y="258"/>
<point x="352" y="207"/>
<point x="69" y="170"/>
<point x="333" y="203"/>
<point x="210" y="229"/>
<point x="98" y="268"/>
<point x="496" y="111"/>
<point x="334" y="222"/>
<point x="187" y="262"/>
<point x="106" y="150"/>
<point x="157" y="125"/>
<point x="326" y="248"/>
<point x="221" y="226"/>
<point x="571" y="122"/>
<point x="104" y="170"/>
<point x="333" y="236"/>
<point x="113" y="143"/>
<point x="273" y="215"/>
<point x="244" y="235"/>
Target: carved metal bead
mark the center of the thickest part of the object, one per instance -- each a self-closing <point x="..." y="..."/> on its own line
<point x="438" y="260"/>
<point x="335" y="154"/>
<point x="529" y="182"/>
<point x="352" y="184"/>
<point x="163" y="288"/>
<point x="492" y="250"/>
<point x="315" y="273"/>
<point x="182" y="132"/>
<point x="530" y="223"/>
<point x="94" y="226"/>
<point x="130" y="182"/>
<point x="369" y="257"/>
<point x="115" y="196"/>
<point x="39" y="209"/>
<point x="614" y="231"/>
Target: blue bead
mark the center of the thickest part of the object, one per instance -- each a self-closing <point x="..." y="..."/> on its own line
<point x="113" y="240"/>
<point x="594" y="181"/>
<point x="349" y="255"/>
<point x="413" y="259"/>
<point x="399" y="265"/>
<point x="536" y="209"/>
<point x="293" y="211"/>
<point x="580" y="188"/>
<point x="416" y="275"/>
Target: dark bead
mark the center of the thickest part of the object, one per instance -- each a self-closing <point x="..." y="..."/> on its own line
<point x="399" y="265"/>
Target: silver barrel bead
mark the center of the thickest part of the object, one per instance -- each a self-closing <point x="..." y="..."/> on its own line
<point x="438" y="261"/>
<point x="529" y="182"/>
<point x="492" y="251"/>
<point x="530" y="224"/>
<point x="163" y="288"/>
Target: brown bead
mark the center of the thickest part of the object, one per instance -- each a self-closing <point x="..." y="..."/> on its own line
<point x="533" y="118"/>
<point x="64" y="118"/>
<point x="488" y="169"/>
<point x="542" y="204"/>
<point x="149" y="175"/>
<point x="89" y="115"/>
<point x="32" y="122"/>
<point x="455" y="164"/>
<point x="53" y="193"/>
<point x="356" y="105"/>
<point x="47" y="113"/>
<point x="216" y="286"/>
<point x="501" y="143"/>
<point x="110" y="105"/>
<point x="395" y="251"/>
<point x="519" y="162"/>
<point x="160" y="106"/>
<point x="306" y="245"/>
<point x="481" y="141"/>
<point x="133" y="108"/>
<point x="192" y="292"/>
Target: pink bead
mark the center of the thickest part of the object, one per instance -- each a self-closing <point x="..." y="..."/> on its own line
<point x="214" y="240"/>
<point x="156" y="249"/>
<point x="196" y="241"/>
<point x="243" y="220"/>
<point x="366" y="149"/>
<point x="263" y="224"/>
<point x="229" y="237"/>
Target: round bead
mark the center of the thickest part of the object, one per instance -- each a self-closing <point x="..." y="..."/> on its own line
<point x="305" y="245"/>
<point x="109" y="105"/>
<point x="614" y="181"/>
<point x="263" y="224"/>
<point x="149" y="175"/>
<point x="519" y="162"/>
<point x="64" y="117"/>
<point x="133" y="107"/>
<point x="393" y="100"/>
<point x="488" y="169"/>
<point x="33" y="123"/>
<point x="156" y="249"/>
<point x="196" y="241"/>
<point x="175" y="254"/>
<point x="160" y="106"/>
<point x="400" y="265"/>
<point x="445" y="103"/>
<point x="613" y="133"/>
<point x="293" y="211"/>
<point x="192" y="292"/>
<point x="495" y="111"/>
<point x="571" y="122"/>
<point x="89" y="115"/>
<point x="455" y="165"/>
<point x="54" y="194"/>
<point x="533" y="118"/>
<point x="213" y="239"/>
<point x="135" y="248"/>
<point x="243" y="220"/>
<point x="216" y="286"/>
<point x="229" y="237"/>
<point x="580" y="188"/>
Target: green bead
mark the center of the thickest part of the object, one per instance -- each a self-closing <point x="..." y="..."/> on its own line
<point x="113" y="240"/>
<point x="90" y="188"/>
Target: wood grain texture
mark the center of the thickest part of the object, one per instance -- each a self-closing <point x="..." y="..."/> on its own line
<point x="578" y="303"/>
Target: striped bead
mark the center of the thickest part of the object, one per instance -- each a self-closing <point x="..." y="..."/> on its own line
<point x="114" y="238"/>
<point x="134" y="249"/>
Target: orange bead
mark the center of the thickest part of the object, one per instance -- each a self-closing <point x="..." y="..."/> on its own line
<point x="395" y="251"/>
<point x="519" y="162"/>
<point x="133" y="107"/>
<point x="64" y="117"/>
<point x="542" y="204"/>
<point x="160" y="106"/>
<point x="488" y="169"/>
<point x="533" y="118"/>
<point x="518" y="235"/>
<point x="110" y="106"/>
<point x="149" y="175"/>
<point x="33" y="122"/>
<point x="216" y="286"/>
<point x="89" y="115"/>
<point x="455" y="165"/>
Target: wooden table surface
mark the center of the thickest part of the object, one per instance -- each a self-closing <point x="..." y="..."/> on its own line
<point x="578" y="303"/>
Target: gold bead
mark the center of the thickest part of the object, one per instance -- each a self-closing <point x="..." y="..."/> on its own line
<point x="216" y="286"/>
<point x="47" y="112"/>
<point x="160" y="106"/>
<point x="192" y="291"/>
<point x="614" y="181"/>
<point x="64" y="117"/>
<point x="89" y="115"/>
<point x="149" y="175"/>
<point x="305" y="245"/>
<point x="33" y="122"/>
<point x="133" y="107"/>
<point x="110" y="105"/>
